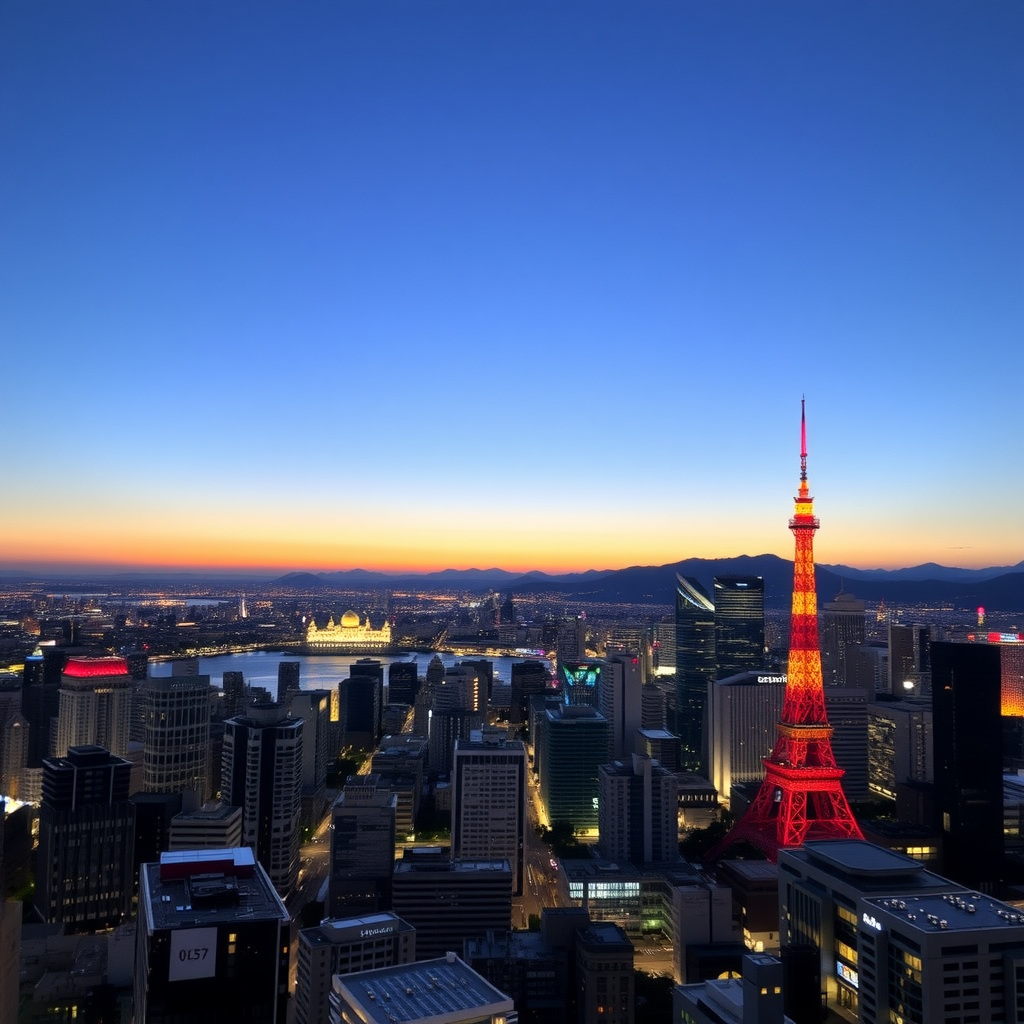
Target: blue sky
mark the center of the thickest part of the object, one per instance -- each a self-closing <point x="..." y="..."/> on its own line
<point x="531" y="285"/>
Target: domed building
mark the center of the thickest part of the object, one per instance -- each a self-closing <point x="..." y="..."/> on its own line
<point x="349" y="633"/>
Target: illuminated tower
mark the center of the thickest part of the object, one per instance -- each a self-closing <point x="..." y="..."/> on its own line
<point x="802" y="796"/>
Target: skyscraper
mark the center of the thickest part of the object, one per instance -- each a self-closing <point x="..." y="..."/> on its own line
<point x="842" y="624"/>
<point x="313" y="709"/>
<point x="968" y="761"/>
<point x="620" y="700"/>
<point x="489" y="801"/>
<point x="571" y="745"/>
<point x="176" y="737"/>
<point x="362" y="847"/>
<point x="95" y="705"/>
<point x="262" y="774"/>
<point x="801" y="797"/>
<point x="739" y="625"/>
<point x="528" y="678"/>
<point x="695" y="672"/>
<point x="86" y="829"/>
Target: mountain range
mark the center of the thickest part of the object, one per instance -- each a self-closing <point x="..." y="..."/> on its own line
<point x="998" y="588"/>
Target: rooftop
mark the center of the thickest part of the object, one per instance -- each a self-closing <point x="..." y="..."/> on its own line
<point x="192" y="888"/>
<point x="950" y="911"/>
<point x="426" y="989"/>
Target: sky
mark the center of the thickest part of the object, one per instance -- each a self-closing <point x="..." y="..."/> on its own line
<point x="533" y="285"/>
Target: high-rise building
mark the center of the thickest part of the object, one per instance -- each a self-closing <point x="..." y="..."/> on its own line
<point x="360" y="698"/>
<point x="638" y="812"/>
<point x="439" y="990"/>
<point x="313" y="709"/>
<point x="401" y="762"/>
<point x="528" y="678"/>
<point x="842" y="628"/>
<point x="489" y="801"/>
<point x="847" y="710"/>
<point x="739" y="625"/>
<point x="448" y="901"/>
<point x="620" y="700"/>
<point x="362" y="847"/>
<point x="212" y="941"/>
<point x="909" y="668"/>
<point x="695" y="672"/>
<point x="371" y="668"/>
<point x="86" y="829"/>
<point x="233" y="684"/>
<point x="40" y="702"/>
<point x="572" y="743"/>
<point x="571" y="639"/>
<point x="288" y="682"/>
<point x="968" y="761"/>
<point x="95" y="705"/>
<point x="262" y="774"/>
<point x="346" y="946"/>
<point x="744" y="712"/>
<point x="801" y="797"/>
<point x="403" y="682"/>
<point x="900" y="747"/>
<point x="176" y="737"/>
<point x="898" y="942"/>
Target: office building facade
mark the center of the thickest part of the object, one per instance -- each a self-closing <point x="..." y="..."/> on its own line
<point x="262" y="773"/>
<point x="176" y="736"/>
<point x="489" y="801"/>
<point x="86" y="834"/>
<point x="345" y="946"/>
<point x="739" y="625"/>
<point x="638" y="812"/>
<point x="95" y="705"/>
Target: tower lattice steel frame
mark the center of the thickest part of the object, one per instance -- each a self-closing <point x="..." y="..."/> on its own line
<point x="802" y="796"/>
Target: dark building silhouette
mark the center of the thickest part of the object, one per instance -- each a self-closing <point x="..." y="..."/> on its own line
<point x="739" y="625"/>
<point x="86" y="830"/>
<point x="528" y="678"/>
<point x="287" y="681"/>
<point x="842" y="629"/>
<point x="695" y="672"/>
<point x="403" y="682"/>
<point x="967" y="728"/>
<point x="40" y="701"/>
<point x="449" y="901"/>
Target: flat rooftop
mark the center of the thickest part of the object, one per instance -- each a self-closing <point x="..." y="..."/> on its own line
<point x="201" y="891"/>
<point x="427" y="989"/>
<point x="947" y="912"/>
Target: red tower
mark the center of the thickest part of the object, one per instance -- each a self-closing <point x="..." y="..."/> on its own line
<point x="802" y="796"/>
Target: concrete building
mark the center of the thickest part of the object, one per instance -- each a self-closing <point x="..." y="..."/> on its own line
<point x="638" y="811"/>
<point x="313" y="709"/>
<point x="825" y="887"/>
<point x="212" y="941"/>
<point x="346" y="946"/>
<point x="745" y="710"/>
<point x="449" y="901"/>
<point x="756" y="997"/>
<point x="900" y="746"/>
<point x="215" y="826"/>
<point x="604" y="975"/>
<point x="262" y="774"/>
<point x="842" y="628"/>
<point x="620" y="701"/>
<point x="362" y="847"/>
<point x="489" y="801"/>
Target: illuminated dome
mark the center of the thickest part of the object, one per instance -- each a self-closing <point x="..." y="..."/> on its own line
<point x="350" y="619"/>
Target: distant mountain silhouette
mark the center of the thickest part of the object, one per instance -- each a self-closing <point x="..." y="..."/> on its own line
<point x="997" y="589"/>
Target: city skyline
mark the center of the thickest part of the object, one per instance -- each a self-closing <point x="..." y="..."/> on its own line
<point x="416" y="287"/>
